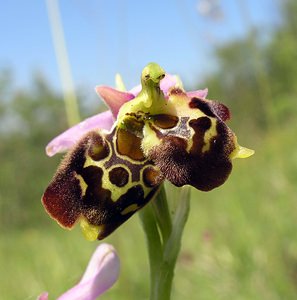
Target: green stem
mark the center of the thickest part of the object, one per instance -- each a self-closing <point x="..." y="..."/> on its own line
<point x="164" y="240"/>
<point x="162" y="214"/>
<point x="164" y="280"/>
<point x="172" y="247"/>
<point x="153" y="239"/>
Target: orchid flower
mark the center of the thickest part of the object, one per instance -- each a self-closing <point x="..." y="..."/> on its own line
<point x="118" y="160"/>
<point x="100" y="275"/>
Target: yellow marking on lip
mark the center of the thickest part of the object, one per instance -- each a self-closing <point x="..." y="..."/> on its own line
<point x="150" y="139"/>
<point x="82" y="184"/>
<point x="130" y="208"/>
<point x="89" y="231"/>
<point x="209" y="134"/>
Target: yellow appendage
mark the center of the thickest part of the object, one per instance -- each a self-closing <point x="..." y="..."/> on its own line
<point x="242" y="152"/>
<point x="90" y="232"/>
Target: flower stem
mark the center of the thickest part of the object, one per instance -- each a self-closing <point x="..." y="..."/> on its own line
<point x="164" y="245"/>
<point x="172" y="246"/>
<point x="162" y="214"/>
<point x="153" y="239"/>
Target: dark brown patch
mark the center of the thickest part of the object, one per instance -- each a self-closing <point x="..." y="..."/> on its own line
<point x="61" y="198"/>
<point x="95" y="195"/>
<point x="134" y="195"/>
<point x="119" y="176"/>
<point x="202" y="105"/>
<point x="152" y="177"/>
<point x="172" y="159"/>
<point x="165" y="121"/>
<point x="98" y="149"/>
<point x="129" y="145"/>
<point x="221" y="110"/>
<point x="200" y="126"/>
<point x="224" y="141"/>
<point x="211" y="108"/>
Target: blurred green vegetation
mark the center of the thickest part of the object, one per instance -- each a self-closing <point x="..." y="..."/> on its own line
<point x="241" y="239"/>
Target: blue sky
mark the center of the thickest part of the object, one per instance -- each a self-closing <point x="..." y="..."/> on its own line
<point x="105" y="37"/>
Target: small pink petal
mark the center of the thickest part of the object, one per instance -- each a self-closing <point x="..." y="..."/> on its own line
<point x="68" y="138"/>
<point x="199" y="94"/>
<point x="167" y="83"/>
<point x="101" y="273"/>
<point x="114" y="99"/>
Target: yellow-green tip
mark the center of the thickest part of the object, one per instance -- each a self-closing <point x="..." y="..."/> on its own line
<point x="89" y="231"/>
<point x="242" y="152"/>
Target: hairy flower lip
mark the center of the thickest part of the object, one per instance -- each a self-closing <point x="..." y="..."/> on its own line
<point x="101" y="273"/>
<point x="114" y="99"/>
